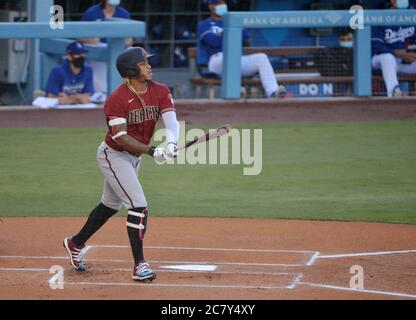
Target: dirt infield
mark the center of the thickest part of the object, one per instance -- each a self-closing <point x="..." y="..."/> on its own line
<point x="253" y="259"/>
<point x="220" y="112"/>
<point x="249" y="258"/>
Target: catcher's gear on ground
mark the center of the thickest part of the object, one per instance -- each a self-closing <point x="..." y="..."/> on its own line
<point x="127" y="61"/>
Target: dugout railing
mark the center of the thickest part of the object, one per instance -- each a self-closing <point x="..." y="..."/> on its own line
<point x="341" y="85"/>
<point x="234" y="22"/>
<point x="115" y="31"/>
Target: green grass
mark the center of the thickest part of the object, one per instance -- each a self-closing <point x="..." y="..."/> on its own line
<point x="335" y="171"/>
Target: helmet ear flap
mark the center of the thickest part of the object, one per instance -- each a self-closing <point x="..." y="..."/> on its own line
<point x="129" y="71"/>
<point x="132" y="73"/>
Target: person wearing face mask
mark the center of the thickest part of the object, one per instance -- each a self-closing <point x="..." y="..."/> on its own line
<point x="389" y="50"/>
<point x="210" y="35"/>
<point x="346" y="39"/>
<point x="71" y="82"/>
<point x="106" y="9"/>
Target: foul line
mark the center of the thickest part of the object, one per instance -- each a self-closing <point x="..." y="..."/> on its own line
<point x="386" y="293"/>
<point x="346" y="255"/>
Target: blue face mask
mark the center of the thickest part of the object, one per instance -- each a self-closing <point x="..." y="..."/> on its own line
<point x="346" y="44"/>
<point x="221" y="9"/>
<point x="114" y="2"/>
<point x="402" y="4"/>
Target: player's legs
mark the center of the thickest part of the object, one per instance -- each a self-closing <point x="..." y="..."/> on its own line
<point x="108" y="207"/>
<point x="97" y="218"/>
<point x="260" y="63"/>
<point x="388" y="65"/>
<point x="407" y="69"/>
<point x="120" y="170"/>
<point x="215" y="63"/>
<point x="109" y="198"/>
<point x="110" y="204"/>
<point x="250" y="65"/>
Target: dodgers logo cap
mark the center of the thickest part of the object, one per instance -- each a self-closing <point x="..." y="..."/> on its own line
<point x="76" y="48"/>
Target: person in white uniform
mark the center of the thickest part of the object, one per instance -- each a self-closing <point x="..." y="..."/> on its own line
<point x="389" y="46"/>
<point x="210" y="35"/>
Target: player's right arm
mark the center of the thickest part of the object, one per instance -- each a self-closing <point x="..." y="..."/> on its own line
<point x="118" y="131"/>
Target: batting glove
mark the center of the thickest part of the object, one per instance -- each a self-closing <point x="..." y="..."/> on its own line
<point x="159" y="154"/>
<point x="172" y="150"/>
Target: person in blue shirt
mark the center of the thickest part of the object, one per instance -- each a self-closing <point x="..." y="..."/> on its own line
<point x="71" y="82"/>
<point x="210" y="37"/>
<point x="389" y="49"/>
<point x="106" y="9"/>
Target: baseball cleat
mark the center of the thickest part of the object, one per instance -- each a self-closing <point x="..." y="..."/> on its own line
<point x="142" y="272"/>
<point x="280" y="93"/>
<point x="75" y="254"/>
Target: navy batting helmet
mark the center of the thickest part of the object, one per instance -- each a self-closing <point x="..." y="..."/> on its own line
<point x="127" y="61"/>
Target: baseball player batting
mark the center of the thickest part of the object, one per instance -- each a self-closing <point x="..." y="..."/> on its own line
<point x="131" y="114"/>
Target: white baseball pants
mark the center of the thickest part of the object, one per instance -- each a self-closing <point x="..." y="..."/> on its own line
<point x="250" y="65"/>
<point x="121" y="184"/>
<point x="390" y="66"/>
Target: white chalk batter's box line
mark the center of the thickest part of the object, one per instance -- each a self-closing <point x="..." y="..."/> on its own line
<point x="293" y="274"/>
<point x="311" y="255"/>
<point x="297" y="278"/>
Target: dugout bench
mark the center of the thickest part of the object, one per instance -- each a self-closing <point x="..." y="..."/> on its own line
<point x="251" y="87"/>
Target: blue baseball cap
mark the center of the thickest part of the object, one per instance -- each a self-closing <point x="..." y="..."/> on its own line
<point x="213" y="2"/>
<point x="76" y="48"/>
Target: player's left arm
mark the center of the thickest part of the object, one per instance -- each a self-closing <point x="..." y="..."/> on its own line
<point x="172" y="132"/>
<point x="168" y="113"/>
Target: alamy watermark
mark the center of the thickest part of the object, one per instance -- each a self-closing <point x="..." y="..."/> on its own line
<point x="57" y="19"/>
<point x="357" y="280"/>
<point x="239" y="146"/>
<point x="357" y="20"/>
<point x="57" y="280"/>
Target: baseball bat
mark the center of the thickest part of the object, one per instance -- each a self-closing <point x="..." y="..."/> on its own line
<point x="211" y="134"/>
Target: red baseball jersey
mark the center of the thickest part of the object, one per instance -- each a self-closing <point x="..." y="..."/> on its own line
<point x="141" y="113"/>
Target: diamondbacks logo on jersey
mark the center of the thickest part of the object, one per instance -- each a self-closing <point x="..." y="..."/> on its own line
<point x="140" y="115"/>
<point x="392" y="36"/>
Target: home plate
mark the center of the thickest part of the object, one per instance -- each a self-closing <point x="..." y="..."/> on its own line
<point x="192" y="267"/>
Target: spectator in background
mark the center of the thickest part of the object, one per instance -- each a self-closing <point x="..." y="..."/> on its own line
<point x="389" y="49"/>
<point x="71" y="82"/>
<point x="106" y="9"/>
<point x="210" y="32"/>
<point x="346" y="38"/>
